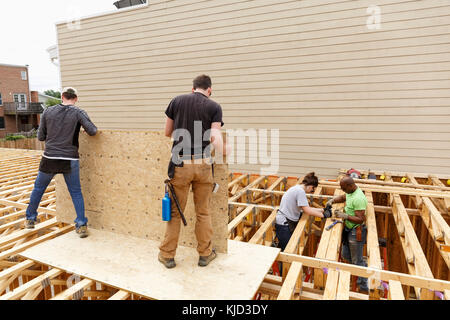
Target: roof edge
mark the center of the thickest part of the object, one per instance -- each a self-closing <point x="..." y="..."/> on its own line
<point x="116" y="11"/>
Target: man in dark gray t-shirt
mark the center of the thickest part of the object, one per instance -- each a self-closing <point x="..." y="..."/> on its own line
<point x="59" y="128"/>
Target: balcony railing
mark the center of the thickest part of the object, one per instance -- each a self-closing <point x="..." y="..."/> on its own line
<point x="13" y="108"/>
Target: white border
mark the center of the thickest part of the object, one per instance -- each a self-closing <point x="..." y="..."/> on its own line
<point x="136" y="7"/>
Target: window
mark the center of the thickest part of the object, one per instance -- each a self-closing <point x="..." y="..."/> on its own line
<point x="24" y="75"/>
<point x="2" y="123"/>
<point x="20" y="99"/>
<point x="1" y="101"/>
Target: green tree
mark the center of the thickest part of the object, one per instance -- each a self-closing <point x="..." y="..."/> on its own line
<point x="53" y="93"/>
<point x="51" y="102"/>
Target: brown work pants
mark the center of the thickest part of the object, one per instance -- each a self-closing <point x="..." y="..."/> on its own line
<point x="200" y="176"/>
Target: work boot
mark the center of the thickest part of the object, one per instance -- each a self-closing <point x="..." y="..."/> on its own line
<point x="29" y="224"/>
<point x="82" y="231"/>
<point x="169" y="263"/>
<point x="204" y="261"/>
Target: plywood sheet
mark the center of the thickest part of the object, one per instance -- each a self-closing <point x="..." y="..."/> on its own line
<point x="131" y="263"/>
<point x="122" y="177"/>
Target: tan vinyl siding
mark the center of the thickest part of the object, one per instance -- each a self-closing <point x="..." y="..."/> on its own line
<point x="340" y="94"/>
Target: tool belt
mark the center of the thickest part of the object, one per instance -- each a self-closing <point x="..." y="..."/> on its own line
<point x="188" y="159"/>
<point x="291" y="224"/>
<point x="346" y="232"/>
<point x="54" y="166"/>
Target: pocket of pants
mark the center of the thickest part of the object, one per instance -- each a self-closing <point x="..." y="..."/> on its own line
<point x="205" y="172"/>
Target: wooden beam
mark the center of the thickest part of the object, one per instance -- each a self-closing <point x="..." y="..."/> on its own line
<point x="373" y="249"/>
<point x="120" y="295"/>
<point x="31" y="285"/>
<point x="343" y="290"/>
<point x="27" y="232"/>
<point x="20" y="205"/>
<point x="259" y="235"/>
<point x="417" y="262"/>
<point x="398" y="190"/>
<point x="74" y="290"/>
<point x="234" y="223"/>
<point x="367" y="272"/>
<point x="331" y="285"/>
<point x="293" y="277"/>
<point x="26" y="245"/>
<point x="395" y="290"/>
<point x="329" y="244"/>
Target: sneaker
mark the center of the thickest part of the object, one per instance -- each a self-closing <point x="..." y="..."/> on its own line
<point x="82" y="231"/>
<point x="29" y="224"/>
<point x="204" y="261"/>
<point x="169" y="263"/>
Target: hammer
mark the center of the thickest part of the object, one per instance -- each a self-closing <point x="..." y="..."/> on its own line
<point x="333" y="224"/>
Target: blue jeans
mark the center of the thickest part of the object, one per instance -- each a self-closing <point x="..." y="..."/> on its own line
<point x="73" y="184"/>
<point x="352" y="251"/>
<point x="283" y="235"/>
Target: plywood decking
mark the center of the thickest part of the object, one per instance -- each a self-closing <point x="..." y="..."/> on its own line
<point x="122" y="176"/>
<point x="131" y="264"/>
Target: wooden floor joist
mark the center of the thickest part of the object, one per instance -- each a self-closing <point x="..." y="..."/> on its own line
<point x="253" y="202"/>
<point x="325" y="246"/>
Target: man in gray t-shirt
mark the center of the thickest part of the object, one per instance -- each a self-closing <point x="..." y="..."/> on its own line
<point x="290" y="205"/>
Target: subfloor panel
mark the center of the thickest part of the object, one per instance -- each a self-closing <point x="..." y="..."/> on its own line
<point x="131" y="264"/>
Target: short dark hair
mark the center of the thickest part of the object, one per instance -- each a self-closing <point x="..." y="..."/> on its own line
<point x="69" y="94"/>
<point x="202" y="82"/>
<point x="310" y="180"/>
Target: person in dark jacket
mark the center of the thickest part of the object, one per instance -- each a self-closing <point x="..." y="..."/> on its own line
<point x="59" y="128"/>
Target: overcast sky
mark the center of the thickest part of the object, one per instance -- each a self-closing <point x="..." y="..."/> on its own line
<point x="27" y="29"/>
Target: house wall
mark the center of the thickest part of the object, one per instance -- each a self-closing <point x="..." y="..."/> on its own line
<point x="10" y="83"/>
<point x="342" y="95"/>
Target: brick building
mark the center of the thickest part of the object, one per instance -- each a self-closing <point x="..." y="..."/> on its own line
<point x="18" y="111"/>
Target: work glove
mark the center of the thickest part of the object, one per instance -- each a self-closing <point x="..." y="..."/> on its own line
<point x="327" y="212"/>
<point x="341" y="215"/>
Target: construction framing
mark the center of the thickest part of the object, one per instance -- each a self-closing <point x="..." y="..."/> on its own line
<point x="407" y="214"/>
<point x="408" y="211"/>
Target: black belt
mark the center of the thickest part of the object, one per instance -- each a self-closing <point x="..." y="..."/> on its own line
<point x="193" y="157"/>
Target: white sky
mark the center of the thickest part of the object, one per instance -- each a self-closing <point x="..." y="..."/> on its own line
<point x="27" y="30"/>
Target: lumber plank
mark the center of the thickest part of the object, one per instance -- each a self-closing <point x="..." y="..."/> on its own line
<point x="293" y="277"/>
<point x="343" y="290"/>
<point x="70" y="292"/>
<point x="331" y="285"/>
<point x="31" y="285"/>
<point x="366" y="272"/>
<point x="236" y="221"/>
<point x="120" y="295"/>
<point x="20" y="205"/>
<point x="259" y="235"/>
<point x="395" y="290"/>
<point x="26" y="245"/>
<point x="411" y="243"/>
<point x="28" y="232"/>
<point x="373" y="249"/>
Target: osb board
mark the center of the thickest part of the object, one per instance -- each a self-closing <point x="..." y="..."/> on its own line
<point x="122" y="177"/>
<point x="131" y="264"/>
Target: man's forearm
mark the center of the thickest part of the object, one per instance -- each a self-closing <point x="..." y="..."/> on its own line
<point x="339" y="199"/>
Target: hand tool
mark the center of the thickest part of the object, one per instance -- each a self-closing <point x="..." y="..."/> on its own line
<point x="333" y="224"/>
